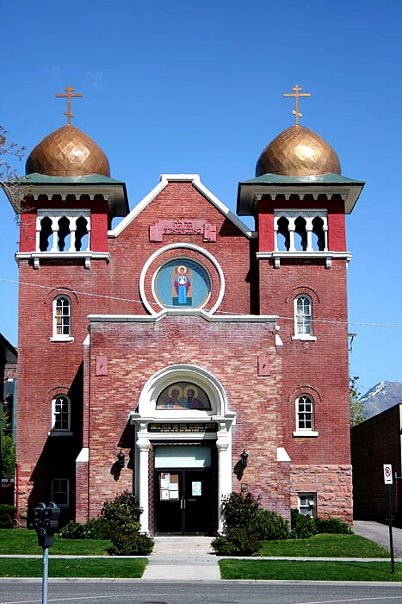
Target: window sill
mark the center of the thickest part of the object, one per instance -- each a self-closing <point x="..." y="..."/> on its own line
<point x="305" y="338"/>
<point x="304" y="433"/>
<point x="60" y="433"/>
<point x="62" y="339"/>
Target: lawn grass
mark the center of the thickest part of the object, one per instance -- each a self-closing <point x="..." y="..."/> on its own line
<point x="286" y="570"/>
<point x="324" y="546"/>
<point x="25" y="541"/>
<point x="127" y="568"/>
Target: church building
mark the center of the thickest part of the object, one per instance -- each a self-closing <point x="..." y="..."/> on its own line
<point x="181" y="355"/>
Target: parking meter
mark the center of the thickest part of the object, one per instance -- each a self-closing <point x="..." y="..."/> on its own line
<point x="46" y="522"/>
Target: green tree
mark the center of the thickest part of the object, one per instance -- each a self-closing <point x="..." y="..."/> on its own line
<point x="357" y="412"/>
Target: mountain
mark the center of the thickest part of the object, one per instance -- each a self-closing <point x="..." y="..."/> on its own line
<point x="381" y="397"/>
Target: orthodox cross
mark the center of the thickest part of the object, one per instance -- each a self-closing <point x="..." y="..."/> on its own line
<point x="69" y="94"/>
<point x="297" y="93"/>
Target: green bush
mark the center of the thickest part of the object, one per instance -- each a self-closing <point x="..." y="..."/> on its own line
<point x="236" y="542"/>
<point x="73" y="530"/>
<point x="131" y="544"/>
<point x="268" y="525"/>
<point x="122" y="513"/>
<point x="238" y="509"/>
<point x="7" y="515"/>
<point x="98" y="528"/>
<point x="302" y="526"/>
<point x="333" y="525"/>
<point x="119" y="518"/>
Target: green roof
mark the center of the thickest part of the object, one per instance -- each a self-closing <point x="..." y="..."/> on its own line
<point x="91" y="179"/>
<point x="279" y="179"/>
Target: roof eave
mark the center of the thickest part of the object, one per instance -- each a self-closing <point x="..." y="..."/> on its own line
<point x="114" y="192"/>
<point x="250" y="193"/>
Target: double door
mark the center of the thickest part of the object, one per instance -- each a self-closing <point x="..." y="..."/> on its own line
<point x="183" y="501"/>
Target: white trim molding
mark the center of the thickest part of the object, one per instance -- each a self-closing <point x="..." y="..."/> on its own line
<point x="147" y="413"/>
<point x="195" y="180"/>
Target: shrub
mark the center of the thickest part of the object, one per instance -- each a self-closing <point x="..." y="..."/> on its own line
<point x="302" y="526"/>
<point x="7" y="514"/>
<point x="238" y="510"/>
<point x="130" y="543"/>
<point x="98" y="528"/>
<point x="73" y="530"/>
<point x="269" y="525"/>
<point x="123" y="512"/>
<point x="237" y="542"/>
<point x="333" y="525"/>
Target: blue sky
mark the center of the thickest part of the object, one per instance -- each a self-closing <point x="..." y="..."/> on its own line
<point x="184" y="86"/>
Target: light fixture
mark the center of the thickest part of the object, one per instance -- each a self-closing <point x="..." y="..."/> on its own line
<point x="244" y="458"/>
<point x="121" y="458"/>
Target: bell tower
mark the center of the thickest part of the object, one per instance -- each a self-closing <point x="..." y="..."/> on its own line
<point x="299" y="199"/>
<point x="69" y="201"/>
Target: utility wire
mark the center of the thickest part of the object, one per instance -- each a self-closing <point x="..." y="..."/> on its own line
<point x="138" y="301"/>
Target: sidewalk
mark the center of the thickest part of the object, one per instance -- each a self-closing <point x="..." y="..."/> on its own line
<point x="192" y="559"/>
<point x="182" y="559"/>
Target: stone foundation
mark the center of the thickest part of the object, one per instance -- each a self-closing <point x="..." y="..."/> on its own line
<point x="332" y="485"/>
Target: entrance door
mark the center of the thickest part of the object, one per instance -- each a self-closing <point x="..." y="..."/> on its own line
<point x="183" y="501"/>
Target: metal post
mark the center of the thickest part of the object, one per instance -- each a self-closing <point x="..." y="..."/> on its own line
<point x="391" y="543"/>
<point x="45" y="574"/>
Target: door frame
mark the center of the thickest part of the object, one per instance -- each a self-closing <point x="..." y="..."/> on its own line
<point x="210" y="506"/>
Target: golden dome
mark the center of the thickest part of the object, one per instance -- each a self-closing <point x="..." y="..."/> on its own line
<point x="298" y="151"/>
<point x="67" y="152"/>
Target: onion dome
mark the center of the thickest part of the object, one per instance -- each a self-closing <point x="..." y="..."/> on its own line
<point x="67" y="152"/>
<point x="298" y="151"/>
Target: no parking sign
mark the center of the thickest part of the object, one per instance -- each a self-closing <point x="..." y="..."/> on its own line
<point x="388" y="477"/>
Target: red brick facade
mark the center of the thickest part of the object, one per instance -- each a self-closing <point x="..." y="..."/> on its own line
<point x="240" y="348"/>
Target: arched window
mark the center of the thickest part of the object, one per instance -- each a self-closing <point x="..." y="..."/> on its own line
<point x="62" y="318"/>
<point x="303" y="316"/>
<point x="300" y="230"/>
<point x="61" y="413"/>
<point x="305" y="413"/>
<point x="283" y="236"/>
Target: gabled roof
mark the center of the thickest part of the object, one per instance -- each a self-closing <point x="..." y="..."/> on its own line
<point x="195" y="180"/>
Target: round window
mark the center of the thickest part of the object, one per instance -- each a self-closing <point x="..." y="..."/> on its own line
<point x="182" y="283"/>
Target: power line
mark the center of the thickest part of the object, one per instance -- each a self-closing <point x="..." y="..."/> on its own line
<point x="138" y="301"/>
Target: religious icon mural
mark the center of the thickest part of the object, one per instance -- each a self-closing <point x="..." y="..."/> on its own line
<point x="181" y="286"/>
<point x="183" y="395"/>
<point x="182" y="283"/>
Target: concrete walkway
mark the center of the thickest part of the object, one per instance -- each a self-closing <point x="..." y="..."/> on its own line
<point x="182" y="559"/>
<point x="192" y="558"/>
<point x="380" y="534"/>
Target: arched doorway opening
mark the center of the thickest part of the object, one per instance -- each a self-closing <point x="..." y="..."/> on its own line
<point x="183" y="452"/>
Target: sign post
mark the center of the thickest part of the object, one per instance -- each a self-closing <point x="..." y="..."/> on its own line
<point x="389" y="481"/>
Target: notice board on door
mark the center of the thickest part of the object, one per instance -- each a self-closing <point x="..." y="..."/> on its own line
<point x="168" y="486"/>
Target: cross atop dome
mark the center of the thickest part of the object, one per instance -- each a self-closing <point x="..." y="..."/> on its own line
<point x="297" y="93"/>
<point x="69" y="94"/>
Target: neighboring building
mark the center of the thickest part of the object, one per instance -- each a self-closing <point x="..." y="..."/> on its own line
<point x="8" y="373"/>
<point x="375" y="442"/>
<point x="181" y="339"/>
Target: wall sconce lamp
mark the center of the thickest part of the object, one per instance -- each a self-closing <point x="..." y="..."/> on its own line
<point x="244" y="458"/>
<point x="121" y="458"/>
